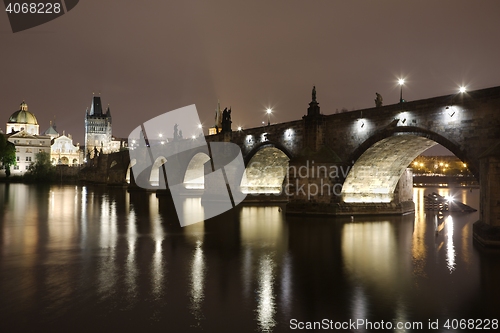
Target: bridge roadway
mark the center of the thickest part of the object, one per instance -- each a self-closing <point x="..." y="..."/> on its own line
<point x="349" y="163"/>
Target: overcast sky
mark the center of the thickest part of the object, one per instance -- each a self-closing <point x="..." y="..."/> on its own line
<point x="150" y="57"/>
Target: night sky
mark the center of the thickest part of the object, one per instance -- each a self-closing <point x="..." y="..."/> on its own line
<point x="148" y="59"/>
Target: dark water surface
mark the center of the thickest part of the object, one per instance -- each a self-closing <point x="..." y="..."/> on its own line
<point x="95" y="259"/>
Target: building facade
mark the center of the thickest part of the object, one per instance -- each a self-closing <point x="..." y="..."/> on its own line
<point x="23" y="131"/>
<point x="63" y="151"/>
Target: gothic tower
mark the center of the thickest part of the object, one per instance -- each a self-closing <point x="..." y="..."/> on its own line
<point x="97" y="128"/>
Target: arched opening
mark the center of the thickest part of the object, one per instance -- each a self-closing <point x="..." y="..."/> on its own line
<point x="130" y="165"/>
<point x="64" y="160"/>
<point x="265" y="172"/>
<point x="194" y="178"/>
<point x="154" y="177"/>
<point x="375" y="175"/>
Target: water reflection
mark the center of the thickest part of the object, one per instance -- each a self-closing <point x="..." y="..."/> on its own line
<point x="103" y="259"/>
<point x="131" y="265"/>
<point x="197" y="281"/>
<point x="106" y="223"/>
<point x="371" y="247"/>
<point x="286" y="285"/>
<point x="266" y="308"/>
<point x="157" y="264"/>
<point x="262" y="237"/>
<point x="359" y="303"/>
<point x="450" y="248"/>
<point x="419" y="244"/>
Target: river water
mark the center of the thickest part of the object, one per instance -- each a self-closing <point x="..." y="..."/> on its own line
<point x="95" y="258"/>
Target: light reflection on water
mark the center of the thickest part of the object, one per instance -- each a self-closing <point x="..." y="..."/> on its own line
<point x="450" y="248"/>
<point x="197" y="281"/>
<point x="266" y="307"/>
<point x="92" y="255"/>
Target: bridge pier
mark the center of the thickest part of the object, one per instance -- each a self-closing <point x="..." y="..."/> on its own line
<point x="487" y="229"/>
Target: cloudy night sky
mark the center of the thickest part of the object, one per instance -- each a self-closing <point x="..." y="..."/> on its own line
<point x="150" y="57"/>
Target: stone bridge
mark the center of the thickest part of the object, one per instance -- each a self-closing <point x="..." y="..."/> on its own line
<point x="349" y="163"/>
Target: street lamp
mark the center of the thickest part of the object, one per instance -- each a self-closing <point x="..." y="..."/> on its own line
<point x="401" y="82"/>
<point x="462" y="89"/>
<point x="269" y="116"/>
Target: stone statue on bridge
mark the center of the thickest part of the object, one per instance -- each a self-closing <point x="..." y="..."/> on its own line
<point x="177" y="134"/>
<point x="378" y="100"/>
<point x="226" y="120"/>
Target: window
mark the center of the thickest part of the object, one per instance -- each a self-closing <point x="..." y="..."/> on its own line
<point x="28" y="158"/>
<point x="28" y="150"/>
<point x="41" y="142"/>
<point x="27" y="167"/>
<point x="17" y="158"/>
<point x="16" y="167"/>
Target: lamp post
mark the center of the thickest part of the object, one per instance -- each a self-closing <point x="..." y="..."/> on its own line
<point x="401" y="82"/>
<point x="269" y="116"/>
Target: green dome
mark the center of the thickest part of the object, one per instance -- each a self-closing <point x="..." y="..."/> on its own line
<point x="23" y="116"/>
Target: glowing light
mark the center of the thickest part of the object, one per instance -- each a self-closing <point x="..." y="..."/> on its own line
<point x="401" y="82"/>
<point x="269" y="116"/>
<point x="199" y="126"/>
<point x="193" y="137"/>
<point x="449" y="198"/>
<point x="160" y="135"/>
<point x="239" y="128"/>
<point x="462" y="89"/>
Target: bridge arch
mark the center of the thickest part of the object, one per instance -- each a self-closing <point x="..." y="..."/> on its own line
<point x="155" y="174"/>
<point x="130" y="165"/>
<point x="266" y="169"/>
<point x="381" y="160"/>
<point x="194" y="177"/>
<point x="421" y="132"/>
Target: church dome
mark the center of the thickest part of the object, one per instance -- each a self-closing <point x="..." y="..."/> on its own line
<point x="23" y="116"/>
